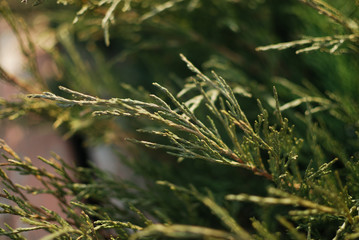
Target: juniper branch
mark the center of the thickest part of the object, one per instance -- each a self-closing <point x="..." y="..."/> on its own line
<point x="316" y="42"/>
<point x="329" y="11"/>
<point x="217" y="210"/>
<point x="183" y="231"/>
<point x="289" y="200"/>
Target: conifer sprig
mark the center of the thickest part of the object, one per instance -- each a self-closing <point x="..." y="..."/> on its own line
<point x="190" y="137"/>
<point x="330" y="44"/>
<point x="76" y="222"/>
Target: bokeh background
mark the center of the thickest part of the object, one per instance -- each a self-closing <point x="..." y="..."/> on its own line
<point x="144" y="46"/>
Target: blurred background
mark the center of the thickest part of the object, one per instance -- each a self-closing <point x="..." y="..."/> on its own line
<point x="87" y="48"/>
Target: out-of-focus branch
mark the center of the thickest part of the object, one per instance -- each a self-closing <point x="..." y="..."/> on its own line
<point x="16" y="82"/>
<point x="329" y="11"/>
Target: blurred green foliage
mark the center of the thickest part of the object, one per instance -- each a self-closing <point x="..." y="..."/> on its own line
<point x="119" y="48"/>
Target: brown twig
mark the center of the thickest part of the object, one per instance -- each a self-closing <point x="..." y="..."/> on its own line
<point x="16" y="82"/>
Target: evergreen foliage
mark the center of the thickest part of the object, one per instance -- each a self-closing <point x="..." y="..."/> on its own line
<point x="233" y="141"/>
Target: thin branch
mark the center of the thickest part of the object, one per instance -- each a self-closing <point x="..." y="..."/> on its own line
<point x="16" y="82"/>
